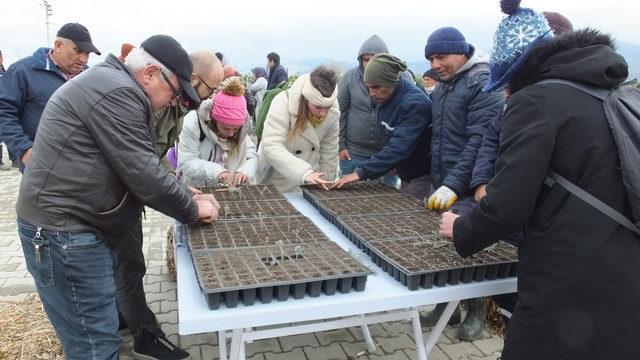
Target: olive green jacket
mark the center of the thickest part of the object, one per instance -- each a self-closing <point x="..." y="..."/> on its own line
<point x="168" y="126"/>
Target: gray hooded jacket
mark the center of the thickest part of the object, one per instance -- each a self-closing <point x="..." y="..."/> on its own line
<point x="359" y="132"/>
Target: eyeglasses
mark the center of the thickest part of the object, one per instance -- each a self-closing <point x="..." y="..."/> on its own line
<point x="177" y="94"/>
<point x="211" y="89"/>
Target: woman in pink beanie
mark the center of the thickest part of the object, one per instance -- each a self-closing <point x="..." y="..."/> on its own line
<point x="214" y="147"/>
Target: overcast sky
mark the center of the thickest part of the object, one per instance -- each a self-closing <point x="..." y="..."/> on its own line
<point x="246" y="30"/>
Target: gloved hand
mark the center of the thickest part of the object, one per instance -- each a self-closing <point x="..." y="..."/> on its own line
<point x="442" y="199"/>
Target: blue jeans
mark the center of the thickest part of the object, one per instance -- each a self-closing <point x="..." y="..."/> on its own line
<point x="74" y="278"/>
<point x="348" y="166"/>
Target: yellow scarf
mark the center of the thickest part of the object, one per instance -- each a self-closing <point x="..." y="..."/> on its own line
<point x="315" y="121"/>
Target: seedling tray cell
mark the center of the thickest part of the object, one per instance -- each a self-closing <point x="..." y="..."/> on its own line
<point x="244" y="193"/>
<point x="263" y="272"/>
<point x="253" y="232"/>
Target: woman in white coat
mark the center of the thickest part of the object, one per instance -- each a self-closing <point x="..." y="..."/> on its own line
<point x="214" y="147"/>
<point x="300" y="138"/>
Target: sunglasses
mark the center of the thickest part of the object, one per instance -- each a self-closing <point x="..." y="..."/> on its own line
<point x="177" y="94"/>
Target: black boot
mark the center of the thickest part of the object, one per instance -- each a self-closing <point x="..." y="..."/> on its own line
<point x="473" y="323"/>
<point x="432" y="317"/>
<point x="154" y="346"/>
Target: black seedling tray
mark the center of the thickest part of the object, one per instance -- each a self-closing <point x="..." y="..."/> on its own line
<point x="331" y="209"/>
<point x="360" y="229"/>
<point x="256" y="209"/>
<point x="253" y="232"/>
<point x="358" y="189"/>
<point x="227" y="276"/>
<point x="244" y="192"/>
<point x="417" y="264"/>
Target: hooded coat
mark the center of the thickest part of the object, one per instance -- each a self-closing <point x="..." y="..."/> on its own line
<point x="202" y="155"/>
<point x="578" y="288"/>
<point x="285" y="161"/>
<point x="461" y="114"/>
<point x="359" y="131"/>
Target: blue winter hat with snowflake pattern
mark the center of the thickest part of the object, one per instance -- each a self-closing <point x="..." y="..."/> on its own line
<point x="516" y="35"/>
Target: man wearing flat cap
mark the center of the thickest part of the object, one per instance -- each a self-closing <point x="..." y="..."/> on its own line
<point x="28" y="84"/>
<point x="92" y="171"/>
<point x="403" y="112"/>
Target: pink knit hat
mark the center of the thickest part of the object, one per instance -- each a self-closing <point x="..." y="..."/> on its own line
<point x="229" y="106"/>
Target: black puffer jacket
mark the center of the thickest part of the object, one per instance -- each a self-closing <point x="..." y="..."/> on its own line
<point x="461" y="114"/>
<point x="578" y="287"/>
<point x="93" y="166"/>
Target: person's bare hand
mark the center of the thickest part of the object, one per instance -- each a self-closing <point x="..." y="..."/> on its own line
<point x="315" y="178"/>
<point x="347" y="179"/>
<point x="481" y="191"/>
<point x="224" y="177"/>
<point x="446" y="223"/>
<point x="194" y="191"/>
<point x="207" y="197"/>
<point x="344" y="155"/>
<point x="26" y="156"/>
<point x="238" y="178"/>
<point x="207" y="212"/>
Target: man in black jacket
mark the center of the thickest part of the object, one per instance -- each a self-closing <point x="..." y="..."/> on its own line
<point x="578" y="289"/>
<point x="461" y="114"/>
<point x="92" y="170"/>
<point x="277" y="73"/>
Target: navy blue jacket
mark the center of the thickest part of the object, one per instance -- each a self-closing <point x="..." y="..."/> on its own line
<point x="24" y="91"/>
<point x="276" y="75"/>
<point x="485" y="166"/>
<point x="461" y="114"/>
<point x="405" y="121"/>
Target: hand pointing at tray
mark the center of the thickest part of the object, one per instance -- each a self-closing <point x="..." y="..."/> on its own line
<point x="446" y="224"/>
<point x="347" y="179"/>
<point x="207" y="207"/>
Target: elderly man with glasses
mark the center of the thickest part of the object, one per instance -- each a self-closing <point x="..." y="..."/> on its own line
<point x="92" y="171"/>
<point x="136" y="315"/>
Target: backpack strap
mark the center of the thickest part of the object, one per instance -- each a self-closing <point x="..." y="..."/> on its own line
<point x="202" y="135"/>
<point x="600" y="93"/>
<point x="555" y="178"/>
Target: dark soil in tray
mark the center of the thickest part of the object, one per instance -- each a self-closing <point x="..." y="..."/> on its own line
<point x="267" y="272"/>
<point x="253" y="232"/>
<point x="357" y="189"/>
<point x="385" y="226"/>
<point x="370" y="205"/>
<point x="255" y="209"/>
<point x="244" y="192"/>
<point x="418" y="256"/>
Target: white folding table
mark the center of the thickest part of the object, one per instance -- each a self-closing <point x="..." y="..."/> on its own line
<point x="384" y="299"/>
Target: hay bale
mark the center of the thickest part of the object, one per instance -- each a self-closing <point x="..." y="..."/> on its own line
<point x="26" y="331"/>
<point x="171" y="263"/>
<point x="494" y="319"/>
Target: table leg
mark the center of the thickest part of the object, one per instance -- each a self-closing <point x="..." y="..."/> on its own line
<point x="417" y="334"/>
<point x="367" y="337"/>
<point x="440" y="325"/>
<point x="236" y="344"/>
<point x="222" y="344"/>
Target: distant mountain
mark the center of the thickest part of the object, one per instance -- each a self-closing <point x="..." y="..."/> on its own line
<point x="631" y="52"/>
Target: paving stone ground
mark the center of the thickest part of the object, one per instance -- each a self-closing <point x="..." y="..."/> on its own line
<point x="395" y="339"/>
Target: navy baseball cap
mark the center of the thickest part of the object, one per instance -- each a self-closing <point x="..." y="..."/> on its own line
<point x="79" y="35"/>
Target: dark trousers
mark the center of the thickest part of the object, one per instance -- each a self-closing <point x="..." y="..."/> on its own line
<point x="132" y="302"/>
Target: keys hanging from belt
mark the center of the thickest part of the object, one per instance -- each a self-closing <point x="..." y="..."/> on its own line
<point x="38" y="241"/>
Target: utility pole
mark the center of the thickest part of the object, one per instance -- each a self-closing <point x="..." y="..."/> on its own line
<point x="48" y="12"/>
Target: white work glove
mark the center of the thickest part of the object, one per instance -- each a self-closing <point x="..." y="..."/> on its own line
<point x="442" y="199"/>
